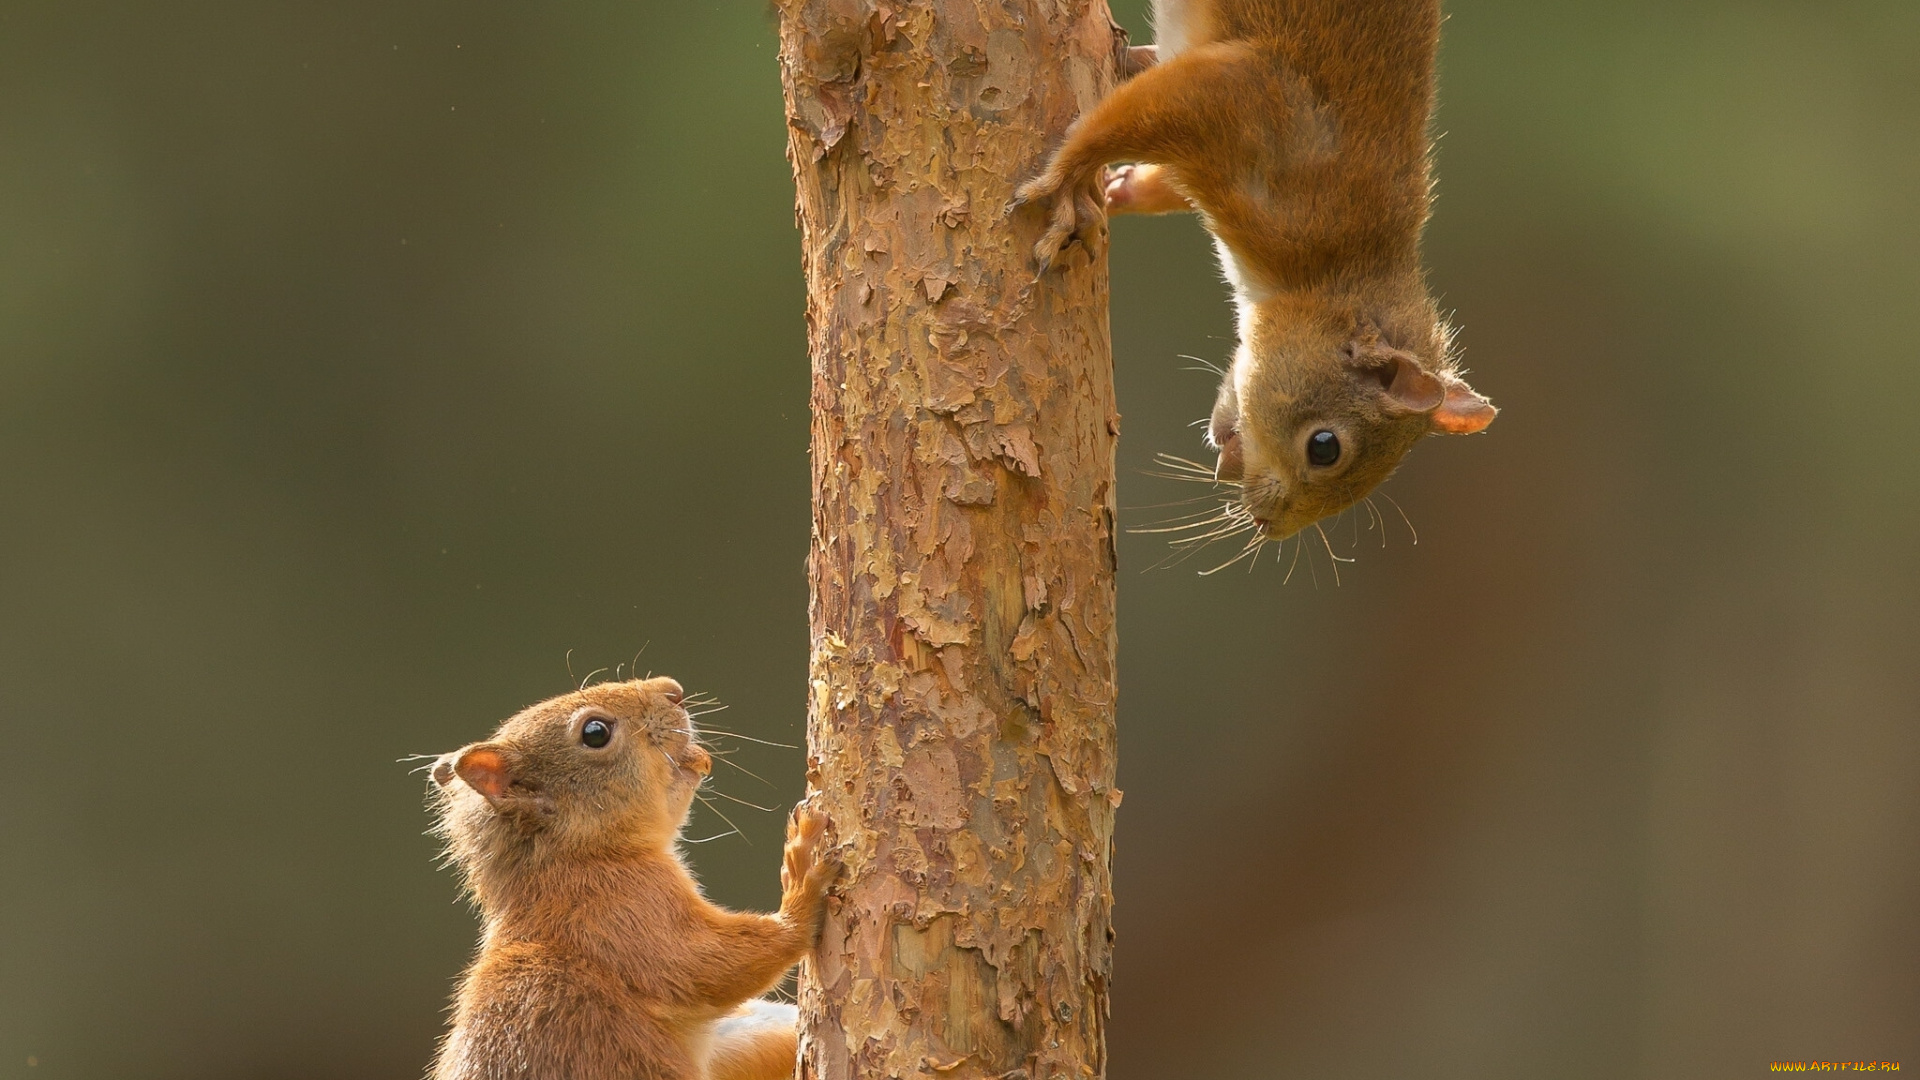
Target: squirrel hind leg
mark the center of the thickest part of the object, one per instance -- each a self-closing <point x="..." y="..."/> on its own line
<point x="757" y="1042"/>
<point x="1168" y="115"/>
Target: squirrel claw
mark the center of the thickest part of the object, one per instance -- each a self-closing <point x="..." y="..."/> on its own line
<point x="826" y="868"/>
<point x="804" y="857"/>
<point x="1072" y="215"/>
<point x="808" y="870"/>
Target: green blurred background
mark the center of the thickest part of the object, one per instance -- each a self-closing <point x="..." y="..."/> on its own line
<point x="359" y="361"/>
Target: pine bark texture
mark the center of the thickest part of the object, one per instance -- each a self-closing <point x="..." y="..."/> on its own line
<point x="961" y="728"/>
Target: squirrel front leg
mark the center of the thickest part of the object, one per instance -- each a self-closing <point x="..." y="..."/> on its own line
<point x="744" y="955"/>
<point x="1182" y="114"/>
<point x="761" y="1039"/>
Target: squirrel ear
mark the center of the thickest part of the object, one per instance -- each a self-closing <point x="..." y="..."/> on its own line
<point x="1453" y="407"/>
<point x="485" y="771"/>
<point x="1462" y="411"/>
<point x="1406" y="383"/>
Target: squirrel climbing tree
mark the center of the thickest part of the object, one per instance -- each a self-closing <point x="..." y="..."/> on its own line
<point x="961" y="732"/>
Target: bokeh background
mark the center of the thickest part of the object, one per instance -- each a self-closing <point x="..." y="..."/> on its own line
<point x="369" y="370"/>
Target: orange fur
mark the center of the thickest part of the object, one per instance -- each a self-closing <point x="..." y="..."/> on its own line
<point x="758" y="1042"/>
<point x="599" y="957"/>
<point x="1298" y="130"/>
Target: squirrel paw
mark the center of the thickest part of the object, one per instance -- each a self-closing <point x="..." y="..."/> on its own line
<point x="1141" y="189"/>
<point x="1075" y="210"/>
<point x="809" y="866"/>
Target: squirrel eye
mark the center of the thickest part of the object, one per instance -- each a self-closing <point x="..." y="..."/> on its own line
<point x="1323" y="448"/>
<point x="596" y="733"/>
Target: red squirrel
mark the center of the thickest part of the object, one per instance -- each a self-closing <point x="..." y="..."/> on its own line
<point x="1299" y="131"/>
<point x="599" y="958"/>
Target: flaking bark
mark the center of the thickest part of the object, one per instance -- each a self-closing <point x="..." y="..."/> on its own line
<point x="961" y="732"/>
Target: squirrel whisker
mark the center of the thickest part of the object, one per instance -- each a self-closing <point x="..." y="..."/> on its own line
<point x="1234" y="528"/>
<point x="748" y="738"/>
<point x="1403" y="516"/>
<point x="1337" y="560"/>
<point x="723" y="759"/>
<point x="1175" y="525"/>
<point x="1252" y="549"/>
<point x="1205" y="365"/>
<point x="704" y="801"/>
<point x="1186" y="549"/>
<point x="716" y="836"/>
<point x="1295" y="564"/>
<point x="1184" y="479"/>
<point x="742" y="802"/>
<point x="1204" y="497"/>
<point x="1174" y="461"/>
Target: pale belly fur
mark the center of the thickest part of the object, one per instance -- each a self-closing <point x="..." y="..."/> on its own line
<point x="1170" y="28"/>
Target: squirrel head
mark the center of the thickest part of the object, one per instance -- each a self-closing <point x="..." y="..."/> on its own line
<point x="609" y="769"/>
<point x="1326" y="396"/>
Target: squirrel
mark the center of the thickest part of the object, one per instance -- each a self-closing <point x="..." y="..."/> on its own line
<point x="599" y="957"/>
<point x="1299" y="131"/>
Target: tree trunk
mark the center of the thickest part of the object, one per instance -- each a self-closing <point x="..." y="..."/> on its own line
<point x="961" y="734"/>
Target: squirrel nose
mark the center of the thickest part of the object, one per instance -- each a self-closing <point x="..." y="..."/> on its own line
<point x="443" y="772"/>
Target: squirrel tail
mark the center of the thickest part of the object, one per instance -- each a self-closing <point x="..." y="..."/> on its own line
<point x="757" y="1042"/>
